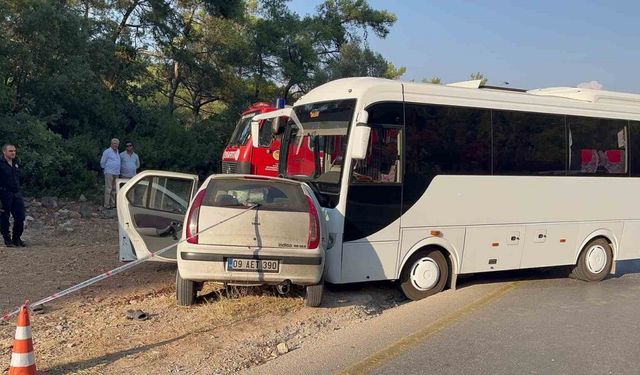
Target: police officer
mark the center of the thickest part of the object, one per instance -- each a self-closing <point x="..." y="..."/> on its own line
<point x="10" y="197"/>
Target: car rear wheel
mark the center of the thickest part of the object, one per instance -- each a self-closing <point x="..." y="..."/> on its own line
<point x="424" y="274"/>
<point x="185" y="291"/>
<point x="313" y="295"/>
<point x="594" y="262"/>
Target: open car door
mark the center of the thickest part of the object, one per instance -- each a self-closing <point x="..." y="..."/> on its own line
<point x="126" y="250"/>
<point x="151" y="211"/>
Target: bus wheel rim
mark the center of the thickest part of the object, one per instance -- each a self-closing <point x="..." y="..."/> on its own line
<point x="596" y="259"/>
<point x="425" y="274"/>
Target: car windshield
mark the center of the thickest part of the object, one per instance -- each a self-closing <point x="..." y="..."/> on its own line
<point x="242" y="130"/>
<point x="316" y="141"/>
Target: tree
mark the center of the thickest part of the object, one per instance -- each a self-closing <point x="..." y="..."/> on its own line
<point x="343" y="26"/>
<point x="434" y="80"/>
<point x="78" y="72"/>
<point x="301" y="53"/>
<point x="355" y="61"/>
<point x="479" y="76"/>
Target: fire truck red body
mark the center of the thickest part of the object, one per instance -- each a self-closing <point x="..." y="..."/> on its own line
<point x="240" y="156"/>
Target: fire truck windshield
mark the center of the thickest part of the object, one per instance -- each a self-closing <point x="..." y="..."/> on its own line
<point x="242" y="131"/>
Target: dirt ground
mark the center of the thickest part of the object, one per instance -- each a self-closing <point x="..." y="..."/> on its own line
<point x="89" y="332"/>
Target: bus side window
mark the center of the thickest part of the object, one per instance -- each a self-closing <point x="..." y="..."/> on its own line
<point x="597" y="146"/>
<point x="382" y="164"/>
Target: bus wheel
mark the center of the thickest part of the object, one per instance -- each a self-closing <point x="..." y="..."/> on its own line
<point x="424" y="274"/>
<point x="594" y="262"/>
<point x="185" y="291"/>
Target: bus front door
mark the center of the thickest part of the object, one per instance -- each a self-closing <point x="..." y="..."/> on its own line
<point x="374" y="206"/>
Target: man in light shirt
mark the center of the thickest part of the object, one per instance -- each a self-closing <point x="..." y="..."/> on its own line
<point x="129" y="162"/>
<point x="110" y="163"/>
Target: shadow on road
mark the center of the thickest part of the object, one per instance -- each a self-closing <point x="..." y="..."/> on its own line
<point x="625" y="267"/>
<point x="547" y="273"/>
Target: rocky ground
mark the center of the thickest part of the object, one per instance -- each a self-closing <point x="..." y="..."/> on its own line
<point x="89" y="332"/>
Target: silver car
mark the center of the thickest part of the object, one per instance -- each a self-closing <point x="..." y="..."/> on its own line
<point x="237" y="230"/>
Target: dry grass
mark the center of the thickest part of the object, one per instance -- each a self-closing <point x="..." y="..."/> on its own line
<point x="239" y="303"/>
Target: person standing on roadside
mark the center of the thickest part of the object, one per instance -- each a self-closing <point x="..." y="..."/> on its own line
<point x="129" y="161"/>
<point x="10" y="197"/>
<point x="110" y="163"/>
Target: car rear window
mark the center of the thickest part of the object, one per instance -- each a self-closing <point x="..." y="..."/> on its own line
<point x="243" y="192"/>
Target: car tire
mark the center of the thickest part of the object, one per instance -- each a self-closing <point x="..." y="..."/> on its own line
<point x="595" y="261"/>
<point x="313" y="295"/>
<point x="185" y="291"/>
<point x="425" y="274"/>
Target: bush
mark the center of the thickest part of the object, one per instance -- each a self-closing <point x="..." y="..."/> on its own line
<point x="47" y="167"/>
<point x="52" y="165"/>
<point x="172" y="146"/>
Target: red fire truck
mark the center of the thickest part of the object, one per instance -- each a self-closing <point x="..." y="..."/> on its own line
<point x="241" y="157"/>
<point x="244" y="156"/>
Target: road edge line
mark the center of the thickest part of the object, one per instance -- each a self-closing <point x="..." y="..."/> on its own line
<point x="385" y="355"/>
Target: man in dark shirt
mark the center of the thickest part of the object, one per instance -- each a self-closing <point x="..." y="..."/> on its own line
<point x="10" y="197"/>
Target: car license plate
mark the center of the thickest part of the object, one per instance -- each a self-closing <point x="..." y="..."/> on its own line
<point x="255" y="265"/>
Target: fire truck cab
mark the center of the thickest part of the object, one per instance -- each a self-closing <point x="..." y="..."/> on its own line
<point x="241" y="156"/>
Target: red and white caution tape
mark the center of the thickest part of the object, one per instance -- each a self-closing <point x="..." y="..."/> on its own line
<point x="117" y="270"/>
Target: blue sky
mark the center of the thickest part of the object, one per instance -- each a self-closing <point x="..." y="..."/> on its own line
<point x="530" y="44"/>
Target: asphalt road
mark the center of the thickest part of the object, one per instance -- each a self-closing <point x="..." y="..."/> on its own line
<point x="526" y="322"/>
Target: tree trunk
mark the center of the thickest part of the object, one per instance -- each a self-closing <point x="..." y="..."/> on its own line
<point x="196" y="104"/>
<point x="259" y="77"/>
<point x="175" y="82"/>
<point x="286" y="90"/>
<point x="86" y="11"/>
<point x="256" y="92"/>
<point x="175" y="78"/>
<point x="125" y="18"/>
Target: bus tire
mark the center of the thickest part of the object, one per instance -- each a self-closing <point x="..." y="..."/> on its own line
<point x="313" y="295"/>
<point x="425" y="274"/>
<point x="594" y="262"/>
<point x="185" y="291"/>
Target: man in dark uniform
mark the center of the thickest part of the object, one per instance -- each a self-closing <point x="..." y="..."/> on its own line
<point x="10" y="197"/>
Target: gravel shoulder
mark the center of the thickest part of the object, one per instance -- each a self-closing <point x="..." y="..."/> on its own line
<point x="89" y="333"/>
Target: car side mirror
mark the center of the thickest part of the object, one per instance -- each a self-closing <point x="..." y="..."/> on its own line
<point x="360" y="137"/>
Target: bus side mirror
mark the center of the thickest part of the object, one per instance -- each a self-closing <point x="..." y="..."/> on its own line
<point x="255" y="133"/>
<point x="362" y="118"/>
<point x="360" y="137"/>
<point x="360" y="142"/>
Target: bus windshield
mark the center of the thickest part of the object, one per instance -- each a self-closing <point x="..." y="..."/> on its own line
<point x="242" y="131"/>
<point x="315" y="145"/>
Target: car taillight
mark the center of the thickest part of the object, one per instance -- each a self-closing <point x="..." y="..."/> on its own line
<point x="192" y="218"/>
<point x="314" y="225"/>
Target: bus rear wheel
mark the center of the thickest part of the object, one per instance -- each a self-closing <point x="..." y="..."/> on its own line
<point x="425" y="274"/>
<point x="595" y="261"/>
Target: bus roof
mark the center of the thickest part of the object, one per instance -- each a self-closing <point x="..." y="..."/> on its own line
<point x="559" y="100"/>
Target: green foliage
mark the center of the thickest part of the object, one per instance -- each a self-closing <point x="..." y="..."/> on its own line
<point x="47" y="166"/>
<point x="355" y="61"/>
<point x="434" y="80"/>
<point x="172" y="147"/>
<point x="480" y="76"/>
<point x="172" y="76"/>
<point x="394" y="73"/>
